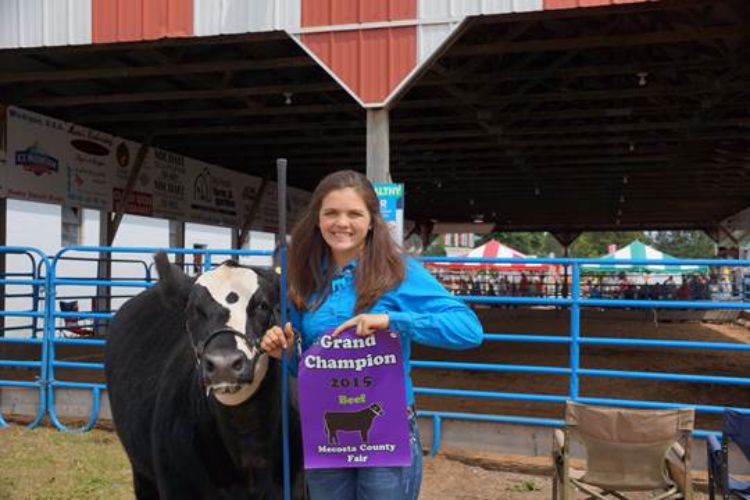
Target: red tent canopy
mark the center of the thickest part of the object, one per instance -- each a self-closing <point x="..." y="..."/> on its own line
<point x="493" y="249"/>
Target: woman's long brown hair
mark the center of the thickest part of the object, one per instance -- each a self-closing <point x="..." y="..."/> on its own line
<point x="380" y="267"/>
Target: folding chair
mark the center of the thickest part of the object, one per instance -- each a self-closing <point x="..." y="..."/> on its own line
<point x="626" y="450"/>
<point x="735" y="431"/>
<point x="72" y="325"/>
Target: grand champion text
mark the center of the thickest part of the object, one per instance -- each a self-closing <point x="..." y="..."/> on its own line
<point x="357" y="364"/>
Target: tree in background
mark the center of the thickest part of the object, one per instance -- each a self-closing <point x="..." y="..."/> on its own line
<point x="436" y="248"/>
<point x="594" y="244"/>
<point x="686" y="244"/>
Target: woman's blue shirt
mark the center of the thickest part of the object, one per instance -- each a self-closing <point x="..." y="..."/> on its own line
<point x="419" y="308"/>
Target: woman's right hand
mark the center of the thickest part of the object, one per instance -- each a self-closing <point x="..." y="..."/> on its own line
<point x="275" y="341"/>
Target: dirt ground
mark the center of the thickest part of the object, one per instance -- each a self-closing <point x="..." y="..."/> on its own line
<point x="462" y="475"/>
<point x="593" y="324"/>
<point x="45" y="464"/>
<point x="456" y="475"/>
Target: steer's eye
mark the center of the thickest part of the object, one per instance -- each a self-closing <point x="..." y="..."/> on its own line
<point x="202" y="314"/>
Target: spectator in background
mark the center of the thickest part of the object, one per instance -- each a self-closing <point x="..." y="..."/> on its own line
<point x="586" y="289"/>
<point x="668" y="289"/>
<point x="539" y="286"/>
<point x="504" y="286"/>
<point x="523" y="285"/>
<point x="683" y="292"/>
<point x="623" y="287"/>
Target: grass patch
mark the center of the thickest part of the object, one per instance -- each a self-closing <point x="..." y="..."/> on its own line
<point x="525" y="486"/>
<point x="45" y="464"/>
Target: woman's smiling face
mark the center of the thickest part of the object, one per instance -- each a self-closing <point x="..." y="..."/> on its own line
<point x="344" y="222"/>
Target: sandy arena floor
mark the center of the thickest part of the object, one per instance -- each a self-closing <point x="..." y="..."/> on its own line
<point x="548" y="322"/>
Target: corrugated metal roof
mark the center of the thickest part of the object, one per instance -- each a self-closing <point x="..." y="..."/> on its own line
<point x="458" y="9"/>
<point x="338" y="12"/>
<point x="370" y="62"/>
<point x="132" y="20"/>
<point x="36" y="23"/>
<point x="369" y="45"/>
<point x="572" y="4"/>
<point x="214" y="17"/>
<point x="438" y="18"/>
<point x="431" y="36"/>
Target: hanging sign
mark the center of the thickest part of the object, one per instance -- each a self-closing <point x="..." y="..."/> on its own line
<point x="352" y="399"/>
<point x="53" y="161"/>
<point x="391" y="198"/>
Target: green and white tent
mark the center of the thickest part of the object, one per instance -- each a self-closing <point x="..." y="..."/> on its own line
<point x="640" y="251"/>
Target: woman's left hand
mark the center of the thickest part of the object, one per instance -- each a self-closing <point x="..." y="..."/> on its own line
<point x="366" y="324"/>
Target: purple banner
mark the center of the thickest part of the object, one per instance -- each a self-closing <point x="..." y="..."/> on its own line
<point x="353" y="402"/>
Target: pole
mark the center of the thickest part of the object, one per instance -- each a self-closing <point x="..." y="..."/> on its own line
<point x="281" y="189"/>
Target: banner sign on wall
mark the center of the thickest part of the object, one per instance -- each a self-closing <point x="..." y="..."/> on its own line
<point x="352" y="399"/>
<point x="3" y="137"/>
<point x="53" y="161"/>
<point x="391" y="198"/>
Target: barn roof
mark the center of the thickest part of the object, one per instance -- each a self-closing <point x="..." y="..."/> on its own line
<point x="616" y="117"/>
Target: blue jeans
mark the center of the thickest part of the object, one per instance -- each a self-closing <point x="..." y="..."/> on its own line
<point x="371" y="483"/>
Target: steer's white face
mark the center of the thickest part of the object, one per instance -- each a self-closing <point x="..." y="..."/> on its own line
<point x="232" y="288"/>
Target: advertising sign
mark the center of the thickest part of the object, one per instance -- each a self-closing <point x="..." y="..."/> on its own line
<point x="140" y="200"/>
<point x="54" y="161"/>
<point x="352" y="399"/>
<point x="3" y="136"/>
<point x="391" y="198"/>
<point x="211" y="194"/>
<point x="167" y="175"/>
<point x="266" y="218"/>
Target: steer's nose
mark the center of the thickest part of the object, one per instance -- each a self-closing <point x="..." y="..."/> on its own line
<point x="225" y="366"/>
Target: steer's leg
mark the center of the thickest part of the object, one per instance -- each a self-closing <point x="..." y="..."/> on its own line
<point x="144" y="487"/>
<point x="329" y="435"/>
<point x="181" y="471"/>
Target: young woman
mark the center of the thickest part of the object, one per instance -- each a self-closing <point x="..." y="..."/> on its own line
<point x="345" y="271"/>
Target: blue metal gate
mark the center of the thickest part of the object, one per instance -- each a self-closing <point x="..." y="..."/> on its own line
<point x="46" y="282"/>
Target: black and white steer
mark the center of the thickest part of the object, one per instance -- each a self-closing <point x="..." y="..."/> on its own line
<point x="195" y="401"/>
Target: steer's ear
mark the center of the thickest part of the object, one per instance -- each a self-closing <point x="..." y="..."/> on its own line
<point x="174" y="284"/>
<point x="269" y="281"/>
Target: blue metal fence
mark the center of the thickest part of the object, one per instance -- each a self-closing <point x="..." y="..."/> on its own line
<point x="29" y="285"/>
<point x="575" y="302"/>
<point x="46" y="282"/>
<point x="50" y="379"/>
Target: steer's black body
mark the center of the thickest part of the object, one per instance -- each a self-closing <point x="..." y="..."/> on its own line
<point x="359" y="421"/>
<point x="182" y="442"/>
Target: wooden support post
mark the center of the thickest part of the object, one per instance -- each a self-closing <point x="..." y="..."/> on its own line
<point x="239" y="236"/>
<point x="728" y="233"/>
<point x="177" y="240"/>
<point x="425" y="233"/>
<point x="3" y="221"/>
<point x="132" y="176"/>
<point x="378" y="145"/>
<point x="3" y="261"/>
<point x="565" y="238"/>
<point x="103" y="301"/>
<point x="564" y="289"/>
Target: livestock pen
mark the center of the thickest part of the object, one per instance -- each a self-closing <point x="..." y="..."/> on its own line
<point x="538" y="353"/>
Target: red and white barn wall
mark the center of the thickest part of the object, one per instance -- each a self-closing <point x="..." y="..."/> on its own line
<point x="370" y="46"/>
